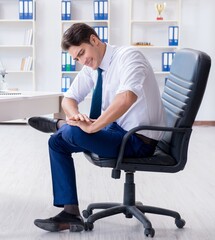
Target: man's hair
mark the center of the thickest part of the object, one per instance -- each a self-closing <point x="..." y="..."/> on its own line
<point x="77" y="34"/>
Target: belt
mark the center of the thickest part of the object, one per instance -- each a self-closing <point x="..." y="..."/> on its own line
<point x="147" y="140"/>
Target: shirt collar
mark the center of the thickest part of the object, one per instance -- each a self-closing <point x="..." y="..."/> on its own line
<point x="107" y="57"/>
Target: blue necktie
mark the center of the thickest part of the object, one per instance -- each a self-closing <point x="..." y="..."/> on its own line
<point x="96" y="104"/>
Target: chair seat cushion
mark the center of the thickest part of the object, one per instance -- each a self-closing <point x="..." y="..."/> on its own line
<point x="159" y="158"/>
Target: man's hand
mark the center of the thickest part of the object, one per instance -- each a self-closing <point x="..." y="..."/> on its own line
<point x="85" y="125"/>
<point x="79" y="117"/>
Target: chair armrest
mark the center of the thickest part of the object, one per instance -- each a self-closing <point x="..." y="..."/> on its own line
<point x="145" y="127"/>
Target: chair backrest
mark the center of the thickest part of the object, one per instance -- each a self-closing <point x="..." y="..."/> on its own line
<point x="183" y="93"/>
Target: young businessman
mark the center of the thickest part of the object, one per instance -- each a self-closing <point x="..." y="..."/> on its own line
<point x="130" y="97"/>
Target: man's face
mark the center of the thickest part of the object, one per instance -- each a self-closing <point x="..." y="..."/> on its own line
<point x="87" y="54"/>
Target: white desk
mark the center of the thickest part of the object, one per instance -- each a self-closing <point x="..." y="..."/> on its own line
<point x="29" y="104"/>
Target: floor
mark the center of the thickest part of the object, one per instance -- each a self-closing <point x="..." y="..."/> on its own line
<point x="26" y="191"/>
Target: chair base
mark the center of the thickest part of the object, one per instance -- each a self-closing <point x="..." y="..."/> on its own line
<point x="129" y="208"/>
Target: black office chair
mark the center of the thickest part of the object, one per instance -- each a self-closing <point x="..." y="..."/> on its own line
<point x="182" y="96"/>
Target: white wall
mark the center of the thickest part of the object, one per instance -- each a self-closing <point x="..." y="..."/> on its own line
<point x="196" y="32"/>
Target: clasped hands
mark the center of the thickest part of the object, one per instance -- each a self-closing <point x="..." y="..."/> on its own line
<point x="82" y="121"/>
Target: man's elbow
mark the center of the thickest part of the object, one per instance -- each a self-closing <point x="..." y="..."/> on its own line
<point x="63" y="103"/>
<point x="129" y="98"/>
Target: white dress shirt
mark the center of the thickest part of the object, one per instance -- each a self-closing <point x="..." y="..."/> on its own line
<point x="124" y="68"/>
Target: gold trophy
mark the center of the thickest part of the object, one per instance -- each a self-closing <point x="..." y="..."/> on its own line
<point x="160" y="8"/>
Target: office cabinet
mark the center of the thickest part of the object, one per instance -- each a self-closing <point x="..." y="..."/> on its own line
<point x="153" y="36"/>
<point x="82" y="11"/>
<point x="17" y="45"/>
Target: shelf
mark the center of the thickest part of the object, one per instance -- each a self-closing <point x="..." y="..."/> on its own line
<point x="85" y="21"/>
<point x="155" y="47"/>
<point x="69" y="72"/>
<point x="161" y="73"/>
<point x="154" y="21"/>
<point x="16" y="46"/>
<point x="16" y="21"/>
<point x="11" y="71"/>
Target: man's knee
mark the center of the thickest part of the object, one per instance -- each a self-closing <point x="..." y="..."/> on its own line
<point x="72" y="134"/>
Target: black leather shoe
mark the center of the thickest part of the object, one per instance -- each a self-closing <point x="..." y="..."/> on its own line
<point x="62" y="221"/>
<point x="47" y="125"/>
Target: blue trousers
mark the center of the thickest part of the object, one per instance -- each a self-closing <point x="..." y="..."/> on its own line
<point x="70" y="139"/>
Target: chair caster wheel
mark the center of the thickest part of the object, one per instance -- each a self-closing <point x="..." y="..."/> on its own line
<point x="85" y="226"/>
<point x="88" y="226"/>
<point x="149" y="232"/>
<point x="180" y="223"/>
<point x="128" y="215"/>
<point x="86" y="213"/>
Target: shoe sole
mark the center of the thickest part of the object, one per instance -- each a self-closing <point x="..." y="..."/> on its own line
<point x="54" y="227"/>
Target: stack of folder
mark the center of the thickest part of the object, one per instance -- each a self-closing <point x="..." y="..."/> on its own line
<point x="102" y="32"/>
<point x="26" y="63"/>
<point x="66" y="10"/>
<point x="25" y="9"/>
<point x="65" y="83"/>
<point x="68" y="64"/>
<point x="28" y="37"/>
<point x="173" y="35"/>
<point x="100" y="9"/>
<point x="167" y="58"/>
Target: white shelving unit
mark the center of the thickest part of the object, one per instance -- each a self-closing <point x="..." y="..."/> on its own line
<point x="146" y="29"/>
<point x="83" y="11"/>
<point x="14" y="45"/>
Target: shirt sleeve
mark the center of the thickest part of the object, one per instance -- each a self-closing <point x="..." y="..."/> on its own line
<point x="133" y="71"/>
<point x="81" y="85"/>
